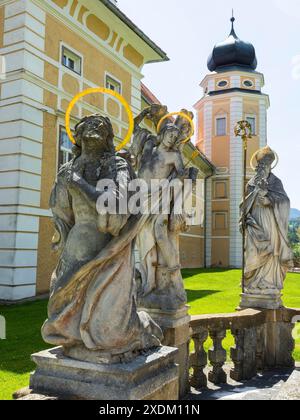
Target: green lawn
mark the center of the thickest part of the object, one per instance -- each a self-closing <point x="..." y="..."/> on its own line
<point x="209" y="291"/>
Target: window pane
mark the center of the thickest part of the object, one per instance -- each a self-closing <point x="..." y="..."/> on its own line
<point x="71" y="60"/>
<point x="252" y="122"/>
<point x="71" y="64"/>
<point x="65" y="148"/>
<point x="113" y="84"/>
<point x="221" y="126"/>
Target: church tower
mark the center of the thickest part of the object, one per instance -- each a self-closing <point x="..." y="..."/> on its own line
<point x="232" y="91"/>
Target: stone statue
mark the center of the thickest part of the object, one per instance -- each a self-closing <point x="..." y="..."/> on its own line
<point x="268" y="255"/>
<point x="160" y="158"/>
<point x="92" y="309"/>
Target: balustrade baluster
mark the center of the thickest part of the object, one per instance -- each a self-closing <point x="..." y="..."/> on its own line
<point x="199" y="360"/>
<point x="217" y="357"/>
<point x="244" y="354"/>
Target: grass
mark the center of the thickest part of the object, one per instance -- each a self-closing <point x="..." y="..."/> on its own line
<point x="218" y="291"/>
<point x="209" y="291"/>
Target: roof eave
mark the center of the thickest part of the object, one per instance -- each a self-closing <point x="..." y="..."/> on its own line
<point x="114" y="9"/>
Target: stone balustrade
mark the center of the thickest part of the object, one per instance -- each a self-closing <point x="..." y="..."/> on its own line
<point x="263" y="340"/>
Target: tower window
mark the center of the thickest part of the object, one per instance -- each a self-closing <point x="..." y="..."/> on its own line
<point x="222" y="83"/>
<point x="221" y="126"/>
<point x="113" y="84"/>
<point x="248" y="83"/>
<point x="252" y="122"/>
<point x="65" y="147"/>
<point x="71" y="60"/>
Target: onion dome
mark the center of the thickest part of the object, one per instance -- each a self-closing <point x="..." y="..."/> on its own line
<point x="233" y="52"/>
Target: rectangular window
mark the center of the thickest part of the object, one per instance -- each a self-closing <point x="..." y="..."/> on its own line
<point x="71" y="60"/>
<point x="252" y="122"/>
<point x="221" y="126"/>
<point x="113" y="84"/>
<point x="65" y="148"/>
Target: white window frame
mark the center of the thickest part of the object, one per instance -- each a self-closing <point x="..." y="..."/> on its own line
<point x="63" y="46"/>
<point x="114" y="78"/>
<point x="254" y="117"/>
<point x="221" y="117"/>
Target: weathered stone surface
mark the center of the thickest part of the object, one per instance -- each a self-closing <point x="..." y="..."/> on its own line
<point x="290" y="391"/>
<point x="279" y="345"/>
<point x="176" y="329"/>
<point x="198" y="360"/>
<point x="160" y="158"/>
<point x="244" y="354"/>
<point x="217" y="357"/>
<point x="261" y="301"/>
<point x="92" y="304"/>
<point x="150" y="376"/>
<point x="265" y="218"/>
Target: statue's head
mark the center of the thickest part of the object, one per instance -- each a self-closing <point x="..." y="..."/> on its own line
<point x="183" y="123"/>
<point x="169" y="136"/>
<point x="94" y="133"/>
<point x="265" y="157"/>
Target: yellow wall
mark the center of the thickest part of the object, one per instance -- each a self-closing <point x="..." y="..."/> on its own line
<point x="95" y="63"/>
<point x="47" y="259"/>
<point x="191" y="252"/>
<point x="220" y="253"/>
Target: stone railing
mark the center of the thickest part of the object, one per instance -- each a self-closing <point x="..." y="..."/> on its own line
<point x="263" y="340"/>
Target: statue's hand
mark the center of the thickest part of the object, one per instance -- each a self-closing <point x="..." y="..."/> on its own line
<point x="74" y="176"/>
<point x="264" y="201"/>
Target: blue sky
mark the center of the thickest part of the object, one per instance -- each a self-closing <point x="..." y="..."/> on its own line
<point x="187" y="31"/>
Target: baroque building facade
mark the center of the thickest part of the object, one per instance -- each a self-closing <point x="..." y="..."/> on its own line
<point x="51" y="50"/>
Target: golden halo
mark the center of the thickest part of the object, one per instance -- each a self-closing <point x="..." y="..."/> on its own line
<point x="183" y="115"/>
<point x="254" y="157"/>
<point x="108" y="92"/>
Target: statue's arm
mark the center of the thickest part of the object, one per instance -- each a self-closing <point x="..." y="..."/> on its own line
<point x="139" y="119"/>
<point x="89" y="191"/>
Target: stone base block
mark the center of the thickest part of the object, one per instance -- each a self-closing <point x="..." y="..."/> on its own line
<point x="272" y="301"/>
<point x="176" y="329"/>
<point x="153" y="376"/>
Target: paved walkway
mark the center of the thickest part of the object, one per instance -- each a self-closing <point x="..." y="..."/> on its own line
<point x="264" y="387"/>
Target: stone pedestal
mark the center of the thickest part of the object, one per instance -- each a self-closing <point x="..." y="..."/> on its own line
<point x="279" y="344"/>
<point x="176" y="329"/>
<point x="260" y="301"/>
<point x="153" y="376"/>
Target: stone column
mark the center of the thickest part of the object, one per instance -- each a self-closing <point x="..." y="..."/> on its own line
<point x="176" y="329"/>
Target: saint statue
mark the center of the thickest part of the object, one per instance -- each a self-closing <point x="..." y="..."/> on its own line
<point x="159" y="158"/>
<point x="92" y="309"/>
<point x="268" y="255"/>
